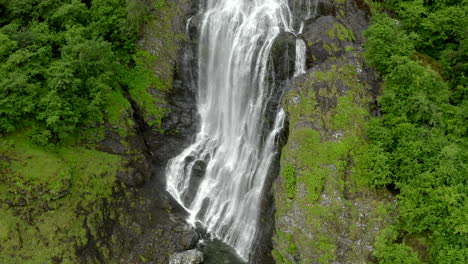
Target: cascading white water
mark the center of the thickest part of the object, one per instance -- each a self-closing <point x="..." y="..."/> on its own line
<point x="235" y="41"/>
<point x="309" y="9"/>
<point x="300" y="66"/>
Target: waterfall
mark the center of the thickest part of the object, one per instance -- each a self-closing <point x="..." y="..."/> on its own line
<point x="300" y="66"/>
<point x="309" y="9"/>
<point x="219" y="179"/>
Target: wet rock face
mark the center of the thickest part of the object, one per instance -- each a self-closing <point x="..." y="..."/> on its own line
<point x="180" y="125"/>
<point x="198" y="171"/>
<point x="143" y="223"/>
<point x="155" y="226"/>
<point x="281" y="66"/>
<point x="283" y="57"/>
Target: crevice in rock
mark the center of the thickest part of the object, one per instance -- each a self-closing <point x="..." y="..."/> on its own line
<point x="140" y="125"/>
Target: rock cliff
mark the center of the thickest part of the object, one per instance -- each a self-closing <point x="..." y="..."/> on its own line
<point x="108" y="202"/>
<point x="101" y="198"/>
<point x="324" y="214"/>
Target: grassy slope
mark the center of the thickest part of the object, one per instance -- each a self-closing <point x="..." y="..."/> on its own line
<point x="42" y="190"/>
<point x="52" y="196"/>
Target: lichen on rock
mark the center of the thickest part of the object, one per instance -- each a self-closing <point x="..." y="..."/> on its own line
<point x="324" y="211"/>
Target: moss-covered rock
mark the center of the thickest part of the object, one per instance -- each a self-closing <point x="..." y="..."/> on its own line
<point x="41" y="193"/>
<point x="325" y="212"/>
<point x="92" y="199"/>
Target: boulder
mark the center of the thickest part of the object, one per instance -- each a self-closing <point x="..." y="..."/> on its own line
<point x="193" y="256"/>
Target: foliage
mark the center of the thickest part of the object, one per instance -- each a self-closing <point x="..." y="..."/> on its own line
<point x="386" y="41"/>
<point x="61" y="60"/>
<point x="290" y="175"/>
<point x="138" y="79"/>
<point x="64" y="67"/>
<point x="391" y="253"/>
<point x="49" y="198"/>
<point x="419" y="145"/>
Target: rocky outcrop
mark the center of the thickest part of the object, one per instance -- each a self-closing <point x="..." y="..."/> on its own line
<point x="187" y="257"/>
<point x="179" y="125"/>
<point x="324" y="214"/>
<point x="145" y="224"/>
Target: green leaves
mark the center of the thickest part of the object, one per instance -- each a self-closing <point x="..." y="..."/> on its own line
<point x="419" y="145"/>
<point x="59" y="60"/>
<point x="6" y="45"/>
<point x="386" y="40"/>
<point x="389" y="252"/>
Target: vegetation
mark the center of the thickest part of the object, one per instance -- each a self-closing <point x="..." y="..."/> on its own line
<point x="63" y="63"/>
<point x="69" y="65"/>
<point x="318" y="204"/>
<point x="69" y="72"/>
<point x="52" y="200"/>
<point x="418" y="147"/>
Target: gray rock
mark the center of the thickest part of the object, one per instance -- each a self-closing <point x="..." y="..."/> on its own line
<point x="283" y="56"/>
<point x="189" y="238"/>
<point x="198" y="171"/>
<point x="199" y="168"/>
<point x="129" y="178"/>
<point x="320" y="45"/>
<point x="193" y="256"/>
<point x="111" y="143"/>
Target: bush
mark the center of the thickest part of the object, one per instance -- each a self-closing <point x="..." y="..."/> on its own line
<point x="59" y="61"/>
<point x="420" y="145"/>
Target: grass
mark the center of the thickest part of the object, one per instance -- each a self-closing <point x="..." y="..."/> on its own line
<point x="46" y="186"/>
<point x="118" y="113"/>
<point x="139" y="81"/>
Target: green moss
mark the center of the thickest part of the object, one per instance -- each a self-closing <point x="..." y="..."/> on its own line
<point x="290" y="176"/>
<point x="118" y="113"/>
<point x="279" y="258"/>
<point x="327" y="128"/>
<point x="348" y="113"/>
<point x="47" y="186"/>
<point x="328" y="48"/>
<point x="290" y="248"/>
<point x="140" y="80"/>
<point x="331" y="33"/>
<point x="334" y="47"/>
<point x="341" y="32"/>
<point x="349" y="48"/>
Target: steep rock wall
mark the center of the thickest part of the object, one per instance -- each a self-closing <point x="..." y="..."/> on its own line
<point x="324" y="214"/>
<point x="100" y="198"/>
<point x="152" y="225"/>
